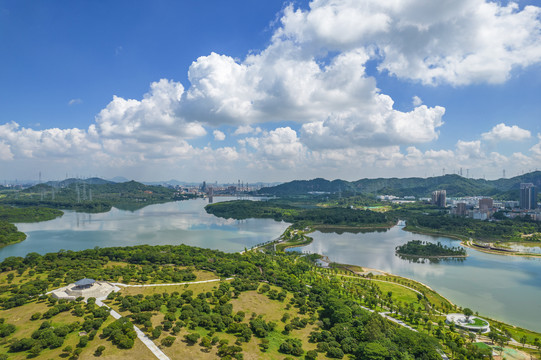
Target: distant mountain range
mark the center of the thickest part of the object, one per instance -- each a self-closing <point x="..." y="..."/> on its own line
<point x="455" y="185"/>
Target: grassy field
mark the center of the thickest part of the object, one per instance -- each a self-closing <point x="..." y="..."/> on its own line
<point x="250" y="302"/>
<point x="20" y="317"/>
<point x="399" y="293"/>
<point x="430" y="294"/>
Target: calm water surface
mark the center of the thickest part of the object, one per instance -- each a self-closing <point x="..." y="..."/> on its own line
<point x="503" y="287"/>
<point x="182" y="222"/>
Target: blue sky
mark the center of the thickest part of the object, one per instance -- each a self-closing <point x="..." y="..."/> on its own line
<point x="269" y="91"/>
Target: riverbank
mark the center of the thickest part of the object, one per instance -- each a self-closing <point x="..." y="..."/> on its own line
<point x="431" y="256"/>
<point x="466" y="242"/>
<point x="469" y="244"/>
<point x="328" y="228"/>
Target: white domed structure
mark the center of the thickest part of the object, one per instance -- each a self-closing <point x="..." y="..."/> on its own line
<point x="471" y="323"/>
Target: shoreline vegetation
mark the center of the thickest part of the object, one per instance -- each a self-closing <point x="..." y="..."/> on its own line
<point x="45" y="202"/>
<point x="9" y="233"/>
<point x="472" y="244"/>
<point x="423" y="219"/>
<point x="427" y="250"/>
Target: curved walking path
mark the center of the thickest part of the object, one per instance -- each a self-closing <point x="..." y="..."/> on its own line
<point x="173" y="284"/>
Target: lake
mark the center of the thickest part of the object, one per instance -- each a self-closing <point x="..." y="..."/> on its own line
<point x="506" y="288"/>
<point x="173" y="223"/>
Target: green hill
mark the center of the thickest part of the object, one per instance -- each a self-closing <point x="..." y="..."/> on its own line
<point x="90" y="181"/>
<point x="455" y="185"/>
<point x="92" y="195"/>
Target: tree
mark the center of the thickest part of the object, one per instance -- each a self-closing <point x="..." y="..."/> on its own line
<point x="374" y="351"/>
<point x="493" y="336"/>
<point x="468" y="312"/>
<point x="523" y="340"/>
<point x="192" y="338"/>
<point x="156" y="332"/>
<point x="83" y="341"/>
<point x="168" y="341"/>
<point x="206" y="343"/>
<point x="99" y="350"/>
<point x="537" y="343"/>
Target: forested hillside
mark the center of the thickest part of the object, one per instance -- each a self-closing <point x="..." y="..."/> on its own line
<point x="92" y="195"/>
<point x="420" y="187"/>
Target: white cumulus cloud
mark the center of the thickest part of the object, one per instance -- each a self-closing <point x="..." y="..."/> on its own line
<point x="154" y="118"/>
<point x="502" y="132"/>
<point x="218" y="135"/>
<point x="458" y="42"/>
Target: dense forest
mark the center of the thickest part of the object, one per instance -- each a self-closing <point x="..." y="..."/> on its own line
<point x="277" y="210"/>
<point x="334" y="306"/>
<point x="418" y="248"/>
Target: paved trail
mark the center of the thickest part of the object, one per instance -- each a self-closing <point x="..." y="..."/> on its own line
<point x="173" y="284"/>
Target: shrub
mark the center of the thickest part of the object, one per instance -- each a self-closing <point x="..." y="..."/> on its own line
<point x="99" y="350"/>
<point x="168" y="341"/>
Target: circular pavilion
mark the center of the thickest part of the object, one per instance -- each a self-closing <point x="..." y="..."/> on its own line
<point x="471" y="323"/>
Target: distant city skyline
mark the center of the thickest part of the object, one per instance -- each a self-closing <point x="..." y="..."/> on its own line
<point x="271" y="91"/>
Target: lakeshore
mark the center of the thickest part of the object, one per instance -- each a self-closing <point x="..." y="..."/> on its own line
<point x="469" y="243"/>
<point x="505" y="252"/>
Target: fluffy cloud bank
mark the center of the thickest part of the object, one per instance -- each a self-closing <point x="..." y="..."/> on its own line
<point x="313" y="76"/>
<point x="457" y="42"/>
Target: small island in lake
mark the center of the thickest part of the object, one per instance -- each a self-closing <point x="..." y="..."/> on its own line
<point x="418" y="248"/>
